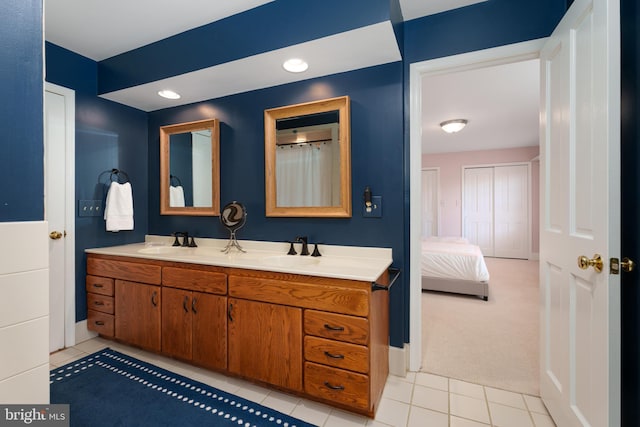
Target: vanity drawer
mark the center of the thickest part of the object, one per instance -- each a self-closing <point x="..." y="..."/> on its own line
<point x="300" y="294"/>
<point x="100" y="322"/>
<point x="125" y="270"/>
<point x="337" y="354"/>
<point x="336" y="326"/>
<point x="195" y="280"/>
<point x="101" y="303"/>
<point x="337" y="385"/>
<point x="99" y="285"/>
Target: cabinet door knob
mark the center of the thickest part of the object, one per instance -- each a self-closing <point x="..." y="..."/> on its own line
<point x="229" y="309"/>
<point x="193" y="306"/>
<point x="154" y="298"/>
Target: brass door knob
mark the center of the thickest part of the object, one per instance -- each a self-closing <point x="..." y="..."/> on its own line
<point x="55" y="235"/>
<point x="595" y="262"/>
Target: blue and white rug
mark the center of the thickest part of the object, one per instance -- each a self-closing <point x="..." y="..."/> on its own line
<point x="109" y="388"/>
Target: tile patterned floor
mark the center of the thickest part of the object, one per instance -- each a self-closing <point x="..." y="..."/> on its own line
<point x="418" y="400"/>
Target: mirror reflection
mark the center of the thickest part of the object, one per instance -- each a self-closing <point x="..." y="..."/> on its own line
<point x="189" y="168"/>
<point x="307" y="159"/>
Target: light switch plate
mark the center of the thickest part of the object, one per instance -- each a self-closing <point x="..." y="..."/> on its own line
<point x="90" y="208"/>
<point x="376" y="208"/>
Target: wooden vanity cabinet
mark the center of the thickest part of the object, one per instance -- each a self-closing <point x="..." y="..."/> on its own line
<point x="265" y="342"/>
<point x="194" y="323"/>
<point x="100" y="305"/>
<point x="137" y="316"/>
<point x="332" y="331"/>
<point x="322" y="338"/>
<point x="136" y="298"/>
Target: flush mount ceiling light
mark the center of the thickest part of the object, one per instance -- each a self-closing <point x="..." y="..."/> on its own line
<point x="295" y="65"/>
<point x="453" y="126"/>
<point x="169" y="94"/>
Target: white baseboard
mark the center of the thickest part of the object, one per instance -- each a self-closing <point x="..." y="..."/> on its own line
<point x="399" y="360"/>
<point x="82" y="333"/>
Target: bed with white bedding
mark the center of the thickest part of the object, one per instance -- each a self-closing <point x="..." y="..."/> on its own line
<point x="452" y="264"/>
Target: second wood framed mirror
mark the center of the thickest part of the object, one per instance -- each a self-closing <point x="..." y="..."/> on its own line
<point x="190" y="168"/>
<point x="308" y="159"/>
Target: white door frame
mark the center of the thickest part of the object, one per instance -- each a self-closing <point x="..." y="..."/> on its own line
<point x="478" y="59"/>
<point x="70" y="225"/>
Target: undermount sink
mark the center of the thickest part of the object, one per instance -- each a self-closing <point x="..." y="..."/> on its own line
<point x="289" y="260"/>
<point x="161" y="250"/>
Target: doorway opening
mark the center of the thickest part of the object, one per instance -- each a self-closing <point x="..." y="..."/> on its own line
<point x="419" y="72"/>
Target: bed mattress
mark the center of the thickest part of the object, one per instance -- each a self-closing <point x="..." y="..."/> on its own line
<point x="453" y="260"/>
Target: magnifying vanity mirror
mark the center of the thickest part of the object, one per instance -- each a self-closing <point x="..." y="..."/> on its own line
<point x="233" y="217"/>
<point x="308" y="159"/>
<point x="190" y="168"/>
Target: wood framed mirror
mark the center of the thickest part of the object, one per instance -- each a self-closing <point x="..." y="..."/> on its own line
<point x="308" y="159"/>
<point x="190" y="168"/>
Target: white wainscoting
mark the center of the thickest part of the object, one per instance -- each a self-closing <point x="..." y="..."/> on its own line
<point x="24" y="312"/>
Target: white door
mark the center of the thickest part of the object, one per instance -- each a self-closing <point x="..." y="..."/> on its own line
<point x="580" y="208"/>
<point x="511" y="211"/>
<point x="59" y="214"/>
<point x="430" y="197"/>
<point x="478" y="208"/>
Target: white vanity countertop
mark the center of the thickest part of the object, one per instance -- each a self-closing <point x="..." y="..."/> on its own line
<point x="339" y="262"/>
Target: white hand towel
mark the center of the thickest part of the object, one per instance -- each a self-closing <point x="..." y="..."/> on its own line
<point x="176" y="196"/>
<point x="118" y="211"/>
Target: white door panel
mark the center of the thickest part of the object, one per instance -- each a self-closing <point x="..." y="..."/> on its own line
<point x="430" y="197"/>
<point x="580" y="344"/>
<point x="55" y="212"/>
<point x="478" y="208"/>
<point x="511" y="211"/>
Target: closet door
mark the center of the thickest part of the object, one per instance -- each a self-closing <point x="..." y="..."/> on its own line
<point x="429" y="202"/>
<point x="478" y="208"/>
<point x="511" y="211"/>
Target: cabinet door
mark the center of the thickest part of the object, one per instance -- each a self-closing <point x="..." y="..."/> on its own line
<point x="138" y="314"/>
<point x="265" y="342"/>
<point x="176" y="323"/>
<point x="209" y="330"/>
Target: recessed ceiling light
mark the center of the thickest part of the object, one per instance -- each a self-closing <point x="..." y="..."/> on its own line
<point x="295" y="65"/>
<point x="453" y="126"/>
<point x="169" y="94"/>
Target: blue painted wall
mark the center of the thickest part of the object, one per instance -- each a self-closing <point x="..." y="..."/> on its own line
<point x="21" y="147"/>
<point x="108" y="135"/>
<point x="376" y="151"/>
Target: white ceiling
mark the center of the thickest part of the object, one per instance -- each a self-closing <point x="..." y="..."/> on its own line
<point x="500" y="104"/>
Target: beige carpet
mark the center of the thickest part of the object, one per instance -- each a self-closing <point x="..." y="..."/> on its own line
<point x="492" y="343"/>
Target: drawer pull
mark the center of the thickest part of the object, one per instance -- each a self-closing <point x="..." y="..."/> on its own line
<point x="333" y="387"/>
<point x="98" y="303"/>
<point x="98" y="285"/>
<point x="334" y="356"/>
<point x="154" y="299"/>
<point x="333" y="328"/>
<point x="185" y="304"/>
<point x="193" y="306"/>
<point x="229" y="314"/>
<point x="99" y="323"/>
